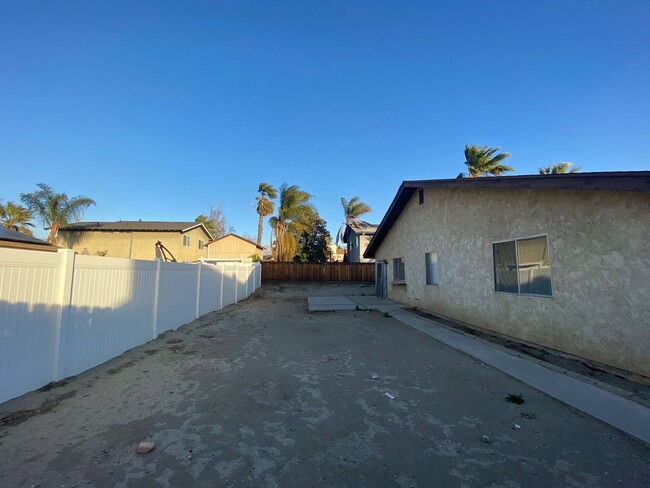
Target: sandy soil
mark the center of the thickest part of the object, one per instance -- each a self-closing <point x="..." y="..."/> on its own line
<point x="265" y="394"/>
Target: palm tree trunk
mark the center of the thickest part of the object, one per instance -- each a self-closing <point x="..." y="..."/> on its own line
<point x="54" y="229"/>
<point x="260" y="222"/>
<point x="279" y="241"/>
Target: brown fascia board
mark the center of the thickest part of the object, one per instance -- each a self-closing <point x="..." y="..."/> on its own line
<point x="28" y="246"/>
<point x="633" y="181"/>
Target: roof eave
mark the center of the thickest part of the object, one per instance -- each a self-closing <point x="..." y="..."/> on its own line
<point x="632" y="181"/>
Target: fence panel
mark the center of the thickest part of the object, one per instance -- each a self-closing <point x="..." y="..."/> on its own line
<point x="177" y="295"/>
<point x="210" y="290"/>
<point x="29" y="312"/>
<point x="334" y="272"/>
<point x="250" y="285"/>
<point x="110" y="311"/>
<point x="62" y="313"/>
<point x="241" y="283"/>
<point x="229" y="284"/>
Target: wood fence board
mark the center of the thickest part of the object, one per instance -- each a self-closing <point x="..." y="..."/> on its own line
<point x="325" y="272"/>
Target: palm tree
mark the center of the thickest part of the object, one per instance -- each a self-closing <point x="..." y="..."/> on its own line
<point x="295" y="215"/>
<point x="16" y="217"/>
<point x="265" y="206"/>
<point x="352" y="210"/>
<point x="559" y="169"/>
<point x="483" y="161"/>
<point x="55" y="209"/>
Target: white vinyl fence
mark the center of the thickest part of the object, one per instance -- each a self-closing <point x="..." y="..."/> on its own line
<point x="61" y="313"/>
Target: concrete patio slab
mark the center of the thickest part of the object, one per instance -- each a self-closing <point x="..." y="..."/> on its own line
<point x="330" y="303"/>
<point x="376" y="303"/>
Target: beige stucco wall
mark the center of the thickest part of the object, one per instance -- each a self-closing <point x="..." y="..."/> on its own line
<point x="136" y="245"/>
<point x="232" y="247"/>
<point x="599" y="248"/>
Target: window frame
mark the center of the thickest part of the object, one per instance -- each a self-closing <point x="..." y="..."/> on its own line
<point x="519" y="293"/>
<point x="396" y="266"/>
<point x="189" y="241"/>
<point x="428" y="276"/>
<point x="201" y="244"/>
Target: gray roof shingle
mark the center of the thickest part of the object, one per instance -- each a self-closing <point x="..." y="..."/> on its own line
<point x="14" y="236"/>
<point x="132" y="225"/>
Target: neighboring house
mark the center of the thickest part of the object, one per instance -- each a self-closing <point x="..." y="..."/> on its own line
<point x="562" y="261"/>
<point x="17" y="240"/>
<point x="357" y="236"/>
<point x="233" y="247"/>
<point x="335" y="254"/>
<point x="187" y="241"/>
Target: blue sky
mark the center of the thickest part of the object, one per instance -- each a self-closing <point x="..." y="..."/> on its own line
<point x="159" y="109"/>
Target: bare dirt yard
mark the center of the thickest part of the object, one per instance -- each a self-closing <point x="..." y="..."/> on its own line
<point x="265" y="394"/>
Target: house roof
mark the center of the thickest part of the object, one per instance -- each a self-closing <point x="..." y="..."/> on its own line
<point x="359" y="227"/>
<point x="238" y="237"/>
<point x="134" y="225"/>
<point x="12" y="238"/>
<point x="635" y="181"/>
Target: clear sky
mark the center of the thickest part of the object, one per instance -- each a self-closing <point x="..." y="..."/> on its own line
<point x="159" y="109"/>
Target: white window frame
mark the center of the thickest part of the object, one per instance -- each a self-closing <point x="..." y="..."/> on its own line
<point x="201" y="243"/>
<point x="189" y="241"/>
<point x="431" y="279"/>
<point x="396" y="267"/>
<point x="515" y="240"/>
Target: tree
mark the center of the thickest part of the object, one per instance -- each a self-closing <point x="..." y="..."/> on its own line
<point x="55" y="209"/>
<point x="265" y="206"/>
<point x="352" y="210"/>
<point x="483" y="161"/>
<point x="216" y="222"/>
<point x="558" y="169"/>
<point x="295" y="215"/>
<point x="312" y="245"/>
<point x="16" y="217"/>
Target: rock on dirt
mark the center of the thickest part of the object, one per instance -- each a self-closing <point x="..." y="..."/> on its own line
<point x="145" y="447"/>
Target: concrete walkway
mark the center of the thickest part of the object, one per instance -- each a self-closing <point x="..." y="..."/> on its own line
<point x="626" y="415"/>
<point x="355" y="302"/>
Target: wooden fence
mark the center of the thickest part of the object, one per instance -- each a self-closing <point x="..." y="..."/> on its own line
<point x="360" y="272"/>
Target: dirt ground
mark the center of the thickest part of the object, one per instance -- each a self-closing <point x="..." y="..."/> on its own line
<point x="265" y="394"/>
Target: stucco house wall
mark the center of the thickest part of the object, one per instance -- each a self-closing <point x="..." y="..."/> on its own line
<point x="599" y="251"/>
<point x="232" y="246"/>
<point x="136" y="244"/>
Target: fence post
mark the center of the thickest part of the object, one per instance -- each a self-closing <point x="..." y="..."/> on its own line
<point x="156" y="290"/>
<point x="66" y="274"/>
<point x="198" y="290"/>
<point x="247" y="278"/>
<point x="236" y="281"/>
